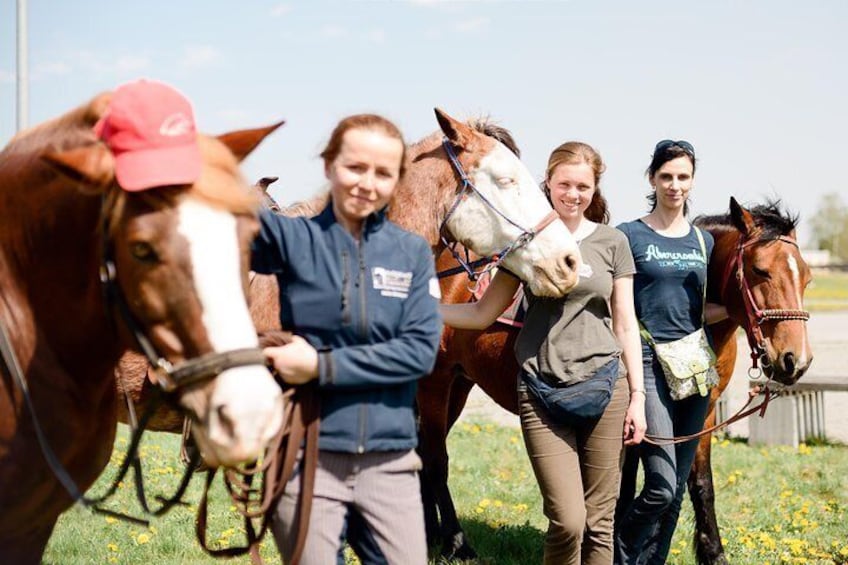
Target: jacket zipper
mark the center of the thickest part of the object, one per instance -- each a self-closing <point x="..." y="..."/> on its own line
<point x="345" y="288"/>
<point x="363" y="324"/>
<point x="363" y="415"/>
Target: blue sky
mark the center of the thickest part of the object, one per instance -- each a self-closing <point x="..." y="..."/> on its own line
<point x="760" y="87"/>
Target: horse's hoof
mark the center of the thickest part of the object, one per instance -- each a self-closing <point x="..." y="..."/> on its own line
<point x="719" y="559"/>
<point x="458" y="548"/>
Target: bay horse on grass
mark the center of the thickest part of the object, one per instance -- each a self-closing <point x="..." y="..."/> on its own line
<point x="767" y="301"/>
<point x="85" y="268"/>
<point x="776" y="275"/>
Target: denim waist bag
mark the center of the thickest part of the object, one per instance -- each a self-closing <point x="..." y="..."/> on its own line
<point x="576" y="404"/>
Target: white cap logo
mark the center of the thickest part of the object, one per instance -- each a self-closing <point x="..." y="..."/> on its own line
<point x="175" y="125"/>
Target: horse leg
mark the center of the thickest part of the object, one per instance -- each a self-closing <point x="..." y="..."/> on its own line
<point x="707" y="542"/>
<point x="437" y="395"/>
<point x="455" y="544"/>
<point x="432" y="399"/>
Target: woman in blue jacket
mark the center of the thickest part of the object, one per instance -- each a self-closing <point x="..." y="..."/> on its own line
<point x="360" y="294"/>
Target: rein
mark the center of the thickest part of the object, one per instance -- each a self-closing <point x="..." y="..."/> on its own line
<point x="297" y="440"/>
<point x="754" y="315"/>
<point x="743" y="412"/>
<point x="488" y="264"/>
<point x="10" y="360"/>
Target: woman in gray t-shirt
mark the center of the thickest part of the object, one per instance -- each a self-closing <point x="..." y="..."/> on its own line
<point x="566" y="342"/>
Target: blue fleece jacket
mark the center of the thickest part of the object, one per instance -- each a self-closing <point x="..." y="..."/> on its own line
<point x="370" y="307"/>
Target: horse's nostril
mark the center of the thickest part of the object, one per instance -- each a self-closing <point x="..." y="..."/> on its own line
<point x="789" y="362"/>
<point x="224" y="420"/>
<point x="571" y="262"/>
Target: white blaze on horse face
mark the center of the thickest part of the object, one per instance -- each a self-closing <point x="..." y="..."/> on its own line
<point x="549" y="263"/>
<point x="804" y="358"/>
<point x="245" y="408"/>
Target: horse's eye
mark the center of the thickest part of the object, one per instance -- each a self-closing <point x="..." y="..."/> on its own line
<point x="143" y="251"/>
<point x="760" y="272"/>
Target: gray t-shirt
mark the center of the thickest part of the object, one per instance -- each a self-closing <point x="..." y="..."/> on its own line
<point x="565" y="340"/>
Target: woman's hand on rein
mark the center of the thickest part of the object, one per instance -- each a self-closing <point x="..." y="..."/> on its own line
<point x="635" y="423"/>
<point x="295" y="362"/>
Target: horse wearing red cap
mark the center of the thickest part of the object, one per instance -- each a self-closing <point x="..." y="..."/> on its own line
<point x="139" y="239"/>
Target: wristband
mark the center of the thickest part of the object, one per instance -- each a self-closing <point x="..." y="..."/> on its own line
<point x="639" y="390"/>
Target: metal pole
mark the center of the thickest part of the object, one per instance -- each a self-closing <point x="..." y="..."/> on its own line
<point x="22" y="70"/>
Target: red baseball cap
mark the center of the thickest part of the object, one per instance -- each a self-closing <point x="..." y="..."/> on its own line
<point x="149" y="127"/>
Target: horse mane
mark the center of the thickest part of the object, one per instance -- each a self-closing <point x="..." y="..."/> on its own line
<point x="772" y="218"/>
<point x="487" y="126"/>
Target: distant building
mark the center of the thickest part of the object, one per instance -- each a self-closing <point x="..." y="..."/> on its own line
<point x="817" y="257"/>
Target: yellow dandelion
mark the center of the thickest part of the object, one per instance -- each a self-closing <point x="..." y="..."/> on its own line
<point x="110" y="520"/>
<point x="112" y="547"/>
<point x="142" y="539"/>
<point x="484" y="503"/>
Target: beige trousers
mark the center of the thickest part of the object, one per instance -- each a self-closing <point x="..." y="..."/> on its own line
<point x="578" y="471"/>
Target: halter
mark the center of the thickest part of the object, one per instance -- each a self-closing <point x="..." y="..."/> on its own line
<point x="487" y="264"/>
<point x="171" y="378"/>
<point x="754" y="316"/>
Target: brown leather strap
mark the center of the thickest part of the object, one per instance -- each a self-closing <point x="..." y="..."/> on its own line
<point x="743" y="412"/>
<point x="299" y="436"/>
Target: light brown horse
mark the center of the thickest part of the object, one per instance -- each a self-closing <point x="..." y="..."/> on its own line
<point x="85" y="268"/>
<point x="777" y="275"/>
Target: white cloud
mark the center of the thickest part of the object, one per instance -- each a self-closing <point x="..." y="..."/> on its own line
<point x="281" y="9"/>
<point x="131" y="63"/>
<point x="375" y="36"/>
<point x="53" y="68"/>
<point x="233" y="115"/>
<point x="473" y="25"/>
<point x="333" y="31"/>
<point x="200" y="56"/>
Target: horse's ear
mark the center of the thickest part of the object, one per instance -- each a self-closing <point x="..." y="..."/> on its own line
<point x="742" y="218"/>
<point x="92" y="165"/>
<point x="242" y="142"/>
<point x="265" y="182"/>
<point x="460" y="135"/>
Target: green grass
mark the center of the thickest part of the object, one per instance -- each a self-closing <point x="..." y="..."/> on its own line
<point x="827" y="291"/>
<point x="775" y="505"/>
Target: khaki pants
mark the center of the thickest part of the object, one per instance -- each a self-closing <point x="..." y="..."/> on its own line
<point x="578" y="471"/>
<point x="381" y="488"/>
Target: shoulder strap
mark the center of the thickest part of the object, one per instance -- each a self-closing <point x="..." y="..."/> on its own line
<point x="706" y="268"/>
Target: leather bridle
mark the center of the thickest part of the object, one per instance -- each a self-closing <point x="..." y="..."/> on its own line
<point x="170" y="377"/>
<point x="475" y="269"/>
<point x="754" y="315"/>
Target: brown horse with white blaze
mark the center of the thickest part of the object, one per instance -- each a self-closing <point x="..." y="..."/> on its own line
<point x="757" y="272"/>
<point x="85" y="269"/>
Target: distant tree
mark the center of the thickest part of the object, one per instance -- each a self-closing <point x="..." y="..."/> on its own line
<point x="830" y="226"/>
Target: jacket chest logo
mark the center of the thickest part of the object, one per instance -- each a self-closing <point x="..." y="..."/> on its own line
<point x="391" y="283"/>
